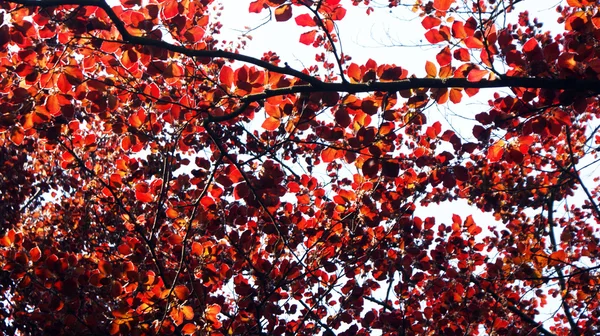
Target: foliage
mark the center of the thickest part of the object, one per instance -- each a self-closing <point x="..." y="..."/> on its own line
<point x="155" y="180"/>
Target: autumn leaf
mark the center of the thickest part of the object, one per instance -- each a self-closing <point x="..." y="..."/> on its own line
<point x="444" y="57"/>
<point x="308" y="38"/>
<point x="305" y="20"/>
<point x="430" y="69"/>
<point x="496" y="151"/>
<point x="442" y="5"/>
<point x="475" y="75"/>
<point x="271" y="123"/>
<point x="283" y="13"/>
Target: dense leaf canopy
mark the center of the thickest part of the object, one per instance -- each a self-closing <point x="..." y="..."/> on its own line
<point x="155" y="179"/>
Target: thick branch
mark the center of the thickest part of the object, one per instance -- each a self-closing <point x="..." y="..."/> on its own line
<point x="314" y="83"/>
<point x="145" y="41"/>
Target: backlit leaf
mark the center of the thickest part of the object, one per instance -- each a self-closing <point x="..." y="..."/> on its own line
<point x="283" y="13"/>
<point x="308" y="38"/>
<point x="442" y="5"/>
<point x="305" y="20"/>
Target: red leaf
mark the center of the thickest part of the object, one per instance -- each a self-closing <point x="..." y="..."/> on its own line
<point x="434" y="36"/>
<point x="194" y="34"/>
<point x="35" y="254"/>
<point x="105" y="267"/>
<point x="338" y="13"/>
<point x="430" y="22"/>
<point x="226" y="76"/>
<point x="305" y="20"/>
<point x="308" y="38"/>
<point x="143" y="197"/>
<point x="444" y="57"/>
<point x="462" y="54"/>
<point x="458" y="30"/>
<point x="475" y="75"/>
<point x="63" y="83"/>
<point x="170" y="9"/>
<point x="442" y="5"/>
<point x="500" y="323"/>
<point x="241" y="190"/>
<point x="256" y="6"/>
<point x="283" y="13"/>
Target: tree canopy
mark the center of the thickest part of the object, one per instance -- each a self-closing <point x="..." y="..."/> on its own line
<point x="155" y="179"/>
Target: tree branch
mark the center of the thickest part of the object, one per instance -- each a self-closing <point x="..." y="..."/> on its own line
<point x="526" y="318"/>
<point x="145" y="41"/>
<point x="314" y="84"/>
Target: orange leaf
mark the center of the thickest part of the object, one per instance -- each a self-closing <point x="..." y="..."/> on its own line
<point x="496" y="151"/>
<point x="188" y="312"/>
<point x="181" y="292"/>
<point x="430" y="69"/>
<point x="53" y="105"/>
<point x="354" y="72"/>
<point x="172" y="213"/>
<point x="473" y="42"/>
<point x="271" y="124"/>
<point x="576" y="21"/>
<point x="17" y="135"/>
<point x="445" y="71"/>
<point x="211" y="315"/>
<point x="455" y="96"/>
<point x="329" y="154"/>
<point x="273" y="110"/>
<point x="189" y="329"/>
<point x="567" y="61"/>
<point x="557" y="258"/>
